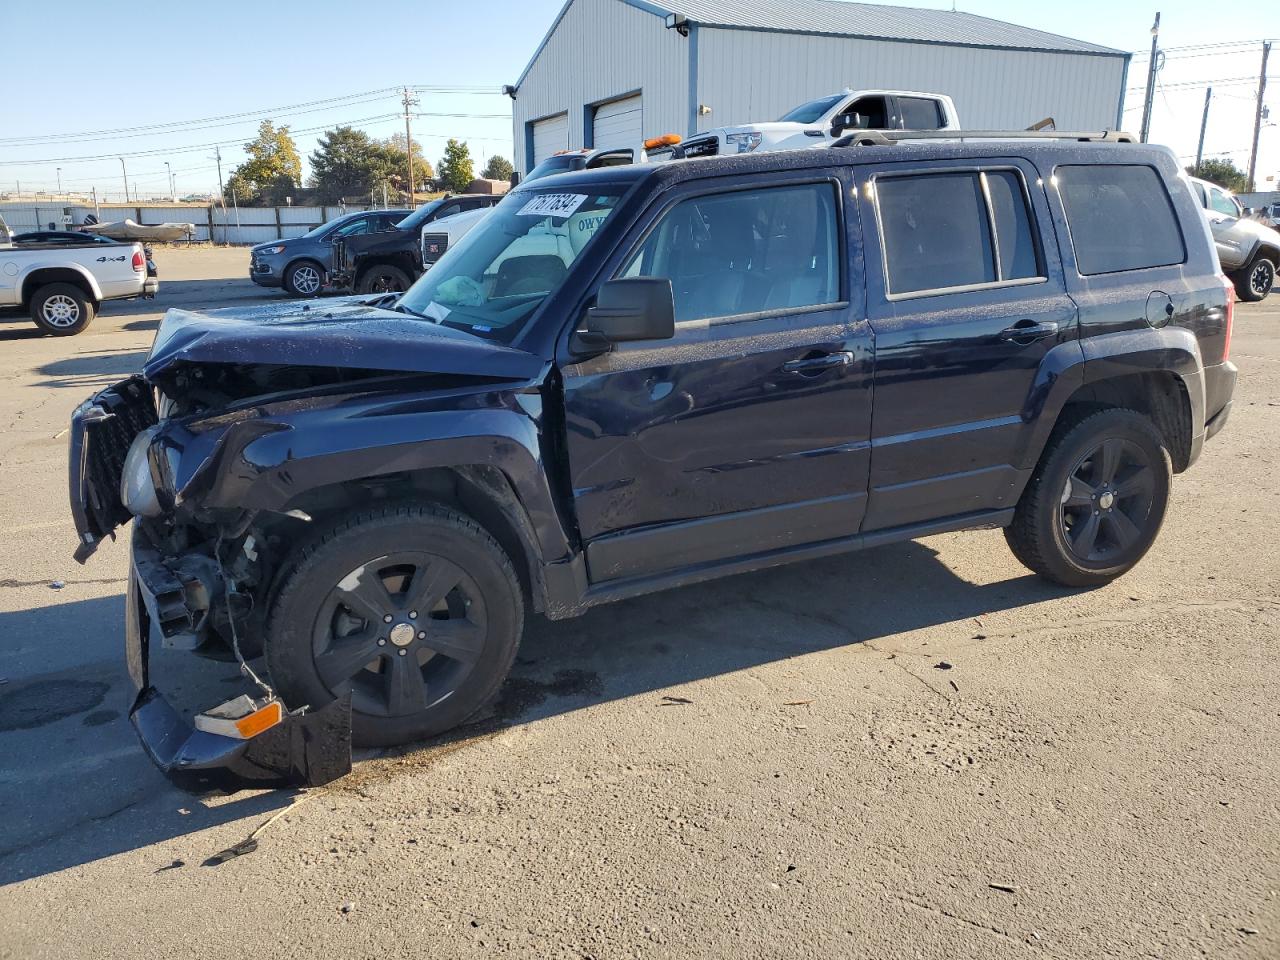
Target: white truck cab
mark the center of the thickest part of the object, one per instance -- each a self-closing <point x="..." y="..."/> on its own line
<point x="820" y="122"/>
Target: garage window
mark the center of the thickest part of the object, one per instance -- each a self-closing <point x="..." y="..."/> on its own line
<point x="1120" y="218"/>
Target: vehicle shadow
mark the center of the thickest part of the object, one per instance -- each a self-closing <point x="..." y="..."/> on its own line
<point x="630" y="649"/>
<point x="90" y="370"/>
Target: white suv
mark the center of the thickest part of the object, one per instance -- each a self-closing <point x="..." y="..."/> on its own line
<point x="819" y="123"/>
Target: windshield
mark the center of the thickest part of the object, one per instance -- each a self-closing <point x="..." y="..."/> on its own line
<point x="812" y="111"/>
<point x="324" y="227"/>
<point x="560" y="163"/>
<point x="420" y="216"/>
<point x="494" y="279"/>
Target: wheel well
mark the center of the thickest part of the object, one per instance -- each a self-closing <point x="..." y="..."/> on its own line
<point x="1160" y="396"/>
<point x="400" y="263"/>
<point x="39" y="278"/>
<point x="297" y="260"/>
<point x="1270" y="252"/>
<point x="481" y="492"/>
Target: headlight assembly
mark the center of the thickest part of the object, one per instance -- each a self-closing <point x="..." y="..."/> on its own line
<point x="265" y="251"/>
<point x="745" y="142"/>
<point x="137" y="485"/>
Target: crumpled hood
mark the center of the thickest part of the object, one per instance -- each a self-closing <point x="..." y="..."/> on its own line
<point x="343" y="332"/>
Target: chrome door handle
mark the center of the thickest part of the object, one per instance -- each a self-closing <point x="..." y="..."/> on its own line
<point x="841" y="358"/>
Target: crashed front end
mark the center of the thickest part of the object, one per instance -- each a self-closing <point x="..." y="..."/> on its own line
<point x="191" y="584"/>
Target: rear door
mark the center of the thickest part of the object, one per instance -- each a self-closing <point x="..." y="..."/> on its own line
<point x="746" y="432"/>
<point x="966" y="299"/>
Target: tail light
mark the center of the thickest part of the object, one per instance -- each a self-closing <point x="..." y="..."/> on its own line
<point x="139" y="262"/>
<point x="1231" y="316"/>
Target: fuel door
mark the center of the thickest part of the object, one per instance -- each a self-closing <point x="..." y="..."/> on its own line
<point x="1159" y="308"/>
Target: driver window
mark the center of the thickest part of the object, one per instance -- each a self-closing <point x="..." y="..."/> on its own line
<point x="1222" y="203"/>
<point x="865" y="113"/>
<point x="354" y="228"/>
<point x="746" y="252"/>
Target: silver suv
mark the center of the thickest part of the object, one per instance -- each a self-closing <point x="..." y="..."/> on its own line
<point x="1248" y="250"/>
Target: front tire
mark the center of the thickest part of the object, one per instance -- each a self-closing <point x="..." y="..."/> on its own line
<point x="304" y="278"/>
<point x="1257" y="280"/>
<point x="62" y="309"/>
<point x="383" y="279"/>
<point x="413" y="610"/>
<point x="1096" y="501"/>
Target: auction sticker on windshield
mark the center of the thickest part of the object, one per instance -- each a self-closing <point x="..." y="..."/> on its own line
<point x="553" y="205"/>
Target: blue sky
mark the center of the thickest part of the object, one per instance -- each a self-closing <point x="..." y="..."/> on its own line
<point x="254" y="58"/>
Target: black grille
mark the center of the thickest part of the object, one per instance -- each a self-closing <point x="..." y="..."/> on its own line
<point x="131" y="409"/>
<point x="705" y="147"/>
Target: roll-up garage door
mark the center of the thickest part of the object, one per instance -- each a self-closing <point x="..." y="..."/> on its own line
<point x="549" y="136"/>
<point x="617" y="123"/>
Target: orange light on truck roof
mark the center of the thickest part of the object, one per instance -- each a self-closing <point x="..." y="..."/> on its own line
<point x="666" y="140"/>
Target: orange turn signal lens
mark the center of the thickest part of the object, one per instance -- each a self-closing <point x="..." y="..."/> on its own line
<point x="260" y="720"/>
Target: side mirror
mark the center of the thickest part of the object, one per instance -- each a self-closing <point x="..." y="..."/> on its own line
<point x="631" y="308"/>
<point x="844" y="121"/>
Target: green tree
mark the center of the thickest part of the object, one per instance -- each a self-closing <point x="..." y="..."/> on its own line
<point x="421" y="165"/>
<point x="273" y="170"/>
<point x="348" y="163"/>
<point x="1222" y="172"/>
<point x="498" y="168"/>
<point x="455" y="167"/>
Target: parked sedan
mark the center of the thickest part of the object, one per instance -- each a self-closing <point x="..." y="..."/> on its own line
<point x="300" y="264"/>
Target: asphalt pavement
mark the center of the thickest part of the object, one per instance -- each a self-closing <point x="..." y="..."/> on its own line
<point x="919" y="751"/>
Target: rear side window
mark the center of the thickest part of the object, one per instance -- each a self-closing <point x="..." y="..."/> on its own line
<point x="937" y="233"/>
<point x="1120" y="218"/>
<point x="749" y="251"/>
<point x="919" y="113"/>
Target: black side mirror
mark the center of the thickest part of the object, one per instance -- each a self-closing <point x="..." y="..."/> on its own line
<point x="843" y="121"/>
<point x="631" y="308"/>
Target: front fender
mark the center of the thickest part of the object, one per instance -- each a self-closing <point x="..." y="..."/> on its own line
<point x="266" y="464"/>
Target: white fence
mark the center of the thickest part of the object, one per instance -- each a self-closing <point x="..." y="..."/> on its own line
<point x="248" y="225"/>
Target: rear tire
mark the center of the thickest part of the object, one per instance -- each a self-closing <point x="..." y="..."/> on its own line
<point x="304" y="278"/>
<point x="1256" y="280"/>
<point x="1096" y="501"/>
<point x="62" y="309"/>
<point x="383" y="279"/>
<point x="455" y="609"/>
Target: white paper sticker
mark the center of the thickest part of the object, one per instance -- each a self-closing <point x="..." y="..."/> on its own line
<point x="553" y="205"/>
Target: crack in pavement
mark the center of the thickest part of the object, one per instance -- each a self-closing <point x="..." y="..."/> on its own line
<point x="939" y="911"/>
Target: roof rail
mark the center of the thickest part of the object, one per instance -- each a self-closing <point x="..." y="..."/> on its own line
<point x="883" y="138"/>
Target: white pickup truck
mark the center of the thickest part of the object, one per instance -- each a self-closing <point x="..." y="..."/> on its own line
<point x="63" y="284"/>
<point x="821" y="122"/>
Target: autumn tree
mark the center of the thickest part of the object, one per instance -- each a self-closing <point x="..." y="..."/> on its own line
<point x="456" y="171"/>
<point x="498" y="168"/>
<point x="273" y="170"/>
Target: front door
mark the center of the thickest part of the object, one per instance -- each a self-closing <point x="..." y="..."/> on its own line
<point x="747" y="432"/>
<point x="966" y="297"/>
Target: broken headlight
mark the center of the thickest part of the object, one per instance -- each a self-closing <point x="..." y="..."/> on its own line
<point x="137" y="484"/>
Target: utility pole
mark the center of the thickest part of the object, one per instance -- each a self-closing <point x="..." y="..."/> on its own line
<point x="217" y="155"/>
<point x="172" y="193"/>
<point x="1204" y="123"/>
<point x="1257" y="116"/>
<point x="59" y="181"/>
<point x="409" y="100"/>
<point x="124" y="173"/>
<point x="1152" y="67"/>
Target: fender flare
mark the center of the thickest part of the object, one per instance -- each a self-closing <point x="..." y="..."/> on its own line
<point x="87" y="275"/>
<point x="1079" y="363"/>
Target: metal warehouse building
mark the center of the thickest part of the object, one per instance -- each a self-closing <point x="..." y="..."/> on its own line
<point x="610" y="72"/>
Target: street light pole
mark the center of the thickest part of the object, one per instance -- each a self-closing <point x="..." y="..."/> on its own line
<point x="59" y="181"/>
<point x="124" y="172"/>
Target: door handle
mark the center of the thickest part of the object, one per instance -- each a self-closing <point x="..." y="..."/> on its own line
<point x="812" y="365"/>
<point x="1028" y="331"/>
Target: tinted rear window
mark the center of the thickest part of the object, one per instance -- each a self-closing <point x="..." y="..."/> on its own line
<point x="935" y="232"/>
<point x="1120" y="218"/>
<point x="919" y="113"/>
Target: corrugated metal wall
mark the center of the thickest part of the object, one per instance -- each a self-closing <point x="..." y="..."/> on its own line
<point x="601" y="50"/>
<point x="256" y="224"/>
<point x="745" y="75"/>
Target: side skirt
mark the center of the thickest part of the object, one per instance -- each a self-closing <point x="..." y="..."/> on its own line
<point x="570" y="575"/>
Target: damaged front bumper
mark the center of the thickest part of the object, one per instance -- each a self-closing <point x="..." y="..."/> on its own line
<point x="305" y="748"/>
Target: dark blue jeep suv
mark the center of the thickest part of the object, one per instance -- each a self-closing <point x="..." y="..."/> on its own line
<point x="643" y="376"/>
